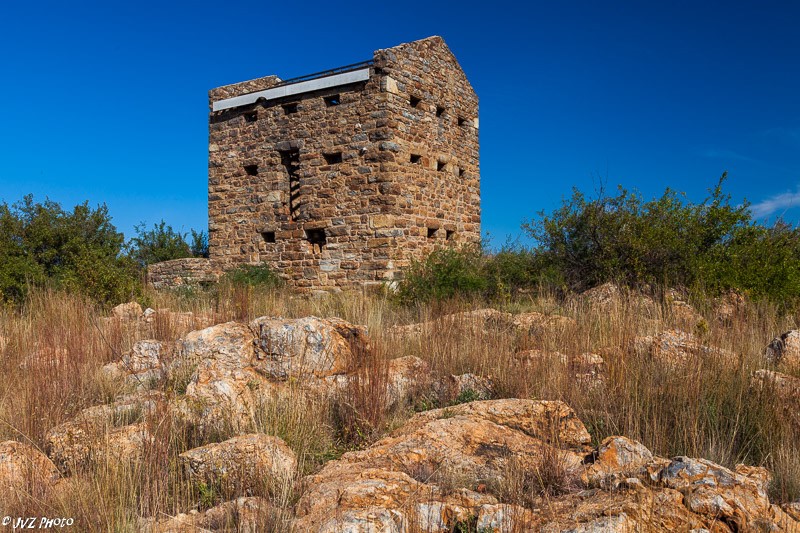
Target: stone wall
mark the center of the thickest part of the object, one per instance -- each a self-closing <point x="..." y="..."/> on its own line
<point x="345" y="186"/>
<point x="179" y="272"/>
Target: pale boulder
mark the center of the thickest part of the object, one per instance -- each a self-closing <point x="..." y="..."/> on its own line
<point x="127" y="311"/>
<point x="306" y="347"/>
<point x="244" y="464"/>
<point x="712" y="490"/>
<point x="399" y="476"/>
<point x="785" y="387"/>
<point x="141" y="367"/>
<point x="676" y="349"/>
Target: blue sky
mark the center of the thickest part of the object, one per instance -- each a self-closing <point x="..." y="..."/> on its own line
<point x="107" y="101"/>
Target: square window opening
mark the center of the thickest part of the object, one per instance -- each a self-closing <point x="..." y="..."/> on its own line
<point x="461" y="172"/>
<point x="416" y="159"/>
<point x="414" y="101"/>
<point x="332" y="100"/>
<point x="333" y="158"/>
<point x="251" y="117"/>
<point x="439" y="111"/>
<point x="251" y="170"/>
<point x="432" y="233"/>
<point x="449" y="234"/>
<point x="268" y="236"/>
<point x="289" y="109"/>
<point x="441" y="166"/>
<point x="317" y="238"/>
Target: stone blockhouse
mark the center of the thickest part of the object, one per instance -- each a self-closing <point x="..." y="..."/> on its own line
<point x="341" y="178"/>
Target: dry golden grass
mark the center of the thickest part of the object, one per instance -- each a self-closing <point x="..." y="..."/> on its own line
<point x="55" y="346"/>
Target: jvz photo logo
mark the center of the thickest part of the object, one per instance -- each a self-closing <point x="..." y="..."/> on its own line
<point x="36" y="522"/>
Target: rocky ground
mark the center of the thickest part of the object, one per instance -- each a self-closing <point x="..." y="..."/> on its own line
<point x="475" y="464"/>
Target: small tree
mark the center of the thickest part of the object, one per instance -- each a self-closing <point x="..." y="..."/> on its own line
<point x="199" y="245"/>
<point x="160" y="243"/>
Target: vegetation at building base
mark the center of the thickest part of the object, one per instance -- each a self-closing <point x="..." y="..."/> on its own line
<point x="708" y="247"/>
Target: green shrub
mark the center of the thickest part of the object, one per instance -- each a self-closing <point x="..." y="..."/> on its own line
<point x="636" y="242"/>
<point x="79" y="250"/>
<point x="762" y="261"/>
<point x="261" y="276"/>
<point x="713" y="245"/>
<point x="445" y="273"/>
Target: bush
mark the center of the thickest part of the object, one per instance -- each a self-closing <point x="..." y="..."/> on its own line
<point x="199" y="246"/>
<point x="763" y="261"/>
<point x="471" y="272"/>
<point x="624" y="238"/>
<point x="445" y="273"/>
<point x="667" y="242"/>
<point x="79" y="250"/>
<point x="261" y="276"/>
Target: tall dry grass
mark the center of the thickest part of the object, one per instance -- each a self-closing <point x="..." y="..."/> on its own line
<point x="55" y="345"/>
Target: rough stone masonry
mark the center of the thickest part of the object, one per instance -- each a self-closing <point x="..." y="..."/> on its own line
<point x="340" y="179"/>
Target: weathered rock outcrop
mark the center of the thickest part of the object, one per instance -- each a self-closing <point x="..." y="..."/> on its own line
<point x="24" y="470"/>
<point x="222" y="384"/>
<point x="446" y="469"/>
<point x="229" y="369"/>
<point x="457" y="388"/>
<point x="406" y="377"/>
<point x="729" y="307"/>
<point x="131" y="315"/>
<point x="140" y="367"/>
<point x="497" y="465"/>
<point x="479" y="321"/>
<point x="113" y="432"/>
<point x="127" y="311"/>
<point x="681" y="311"/>
<point x="609" y="297"/>
<point x="785" y="387"/>
<point x="537" y="323"/>
<point x="306" y="347"/>
<point x="243" y="515"/>
<point x="587" y="369"/>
